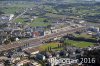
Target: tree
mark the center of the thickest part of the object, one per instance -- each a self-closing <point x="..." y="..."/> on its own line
<point x="1" y="12"/>
<point x="49" y="48"/>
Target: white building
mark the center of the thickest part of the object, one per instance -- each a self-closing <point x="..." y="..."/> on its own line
<point x="36" y="64"/>
<point x="47" y="32"/>
<point x="32" y="51"/>
<point x="11" y="17"/>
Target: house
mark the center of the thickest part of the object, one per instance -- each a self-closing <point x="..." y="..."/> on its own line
<point x="97" y="35"/>
<point x="17" y="56"/>
<point x="55" y="53"/>
<point x="89" y="33"/>
<point x="48" y="55"/>
<point x="32" y="51"/>
<point x="11" y="16"/>
<point x="64" y="53"/>
<point x="22" y="62"/>
<point x="3" y="36"/>
<point x="14" y="59"/>
<point x="34" y="63"/>
<point x="7" y="17"/>
<point x="16" y="32"/>
<point x="48" y="32"/>
<point x="94" y="29"/>
<point x="40" y="57"/>
<point x="28" y="31"/>
<point x="36" y="34"/>
<point x="2" y="63"/>
<point x="4" y="58"/>
<point x="72" y="56"/>
<point x="80" y="22"/>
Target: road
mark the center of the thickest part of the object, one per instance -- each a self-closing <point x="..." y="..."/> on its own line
<point x="37" y="41"/>
<point x="19" y="15"/>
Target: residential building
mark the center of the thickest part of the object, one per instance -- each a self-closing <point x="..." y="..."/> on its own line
<point x="40" y="57"/>
<point x="32" y="52"/>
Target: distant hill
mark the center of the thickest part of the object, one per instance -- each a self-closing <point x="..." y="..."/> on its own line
<point x="53" y="0"/>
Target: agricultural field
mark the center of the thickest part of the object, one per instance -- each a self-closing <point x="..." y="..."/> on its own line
<point x="35" y="22"/>
<point x="15" y="7"/>
<point x="12" y="10"/>
<point x="87" y="11"/>
<point x="55" y="15"/>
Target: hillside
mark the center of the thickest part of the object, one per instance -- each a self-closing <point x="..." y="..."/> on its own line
<point x="70" y="1"/>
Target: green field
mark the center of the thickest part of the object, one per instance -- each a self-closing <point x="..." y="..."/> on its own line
<point x="55" y="15"/>
<point x="39" y="22"/>
<point x="35" y="22"/>
<point x="39" y="19"/>
<point x="84" y="35"/>
<point x="81" y="44"/>
<point x="12" y="10"/>
<point x="21" y="20"/>
<point x="53" y="45"/>
<point x="16" y="7"/>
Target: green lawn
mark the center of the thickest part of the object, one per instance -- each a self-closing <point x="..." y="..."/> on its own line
<point x="84" y="35"/>
<point x="81" y="44"/>
<point x="53" y="45"/>
<point x="19" y="20"/>
<point x="40" y="22"/>
<point x="55" y="15"/>
<point x="39" y="19"/>
<point x="36" y="22"/>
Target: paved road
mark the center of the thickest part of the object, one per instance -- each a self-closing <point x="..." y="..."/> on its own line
<point x="37" y="41"/>
<point x="19" y="15"/>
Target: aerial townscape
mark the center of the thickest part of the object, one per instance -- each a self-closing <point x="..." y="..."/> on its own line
<point x="49" y="32"/>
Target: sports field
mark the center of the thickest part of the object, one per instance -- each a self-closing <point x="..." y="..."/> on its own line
<point x="81" y="44"/>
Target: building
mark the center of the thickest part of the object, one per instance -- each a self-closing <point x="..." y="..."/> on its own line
<point x="23" y="62"/>
<point x="32" y="52"/>
<point x="40" y="57"/>
<point x="94" y="29"/>
<point x="7" y="17"/>
<point x="48" y="55"/>
<point x="48" y="32"/>
<point x="34" y="63"/>
<point x="14" y="59"/>
<point x="2" y="63"/>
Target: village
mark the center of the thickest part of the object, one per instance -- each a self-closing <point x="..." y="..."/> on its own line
<point x="38" y="36"/>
